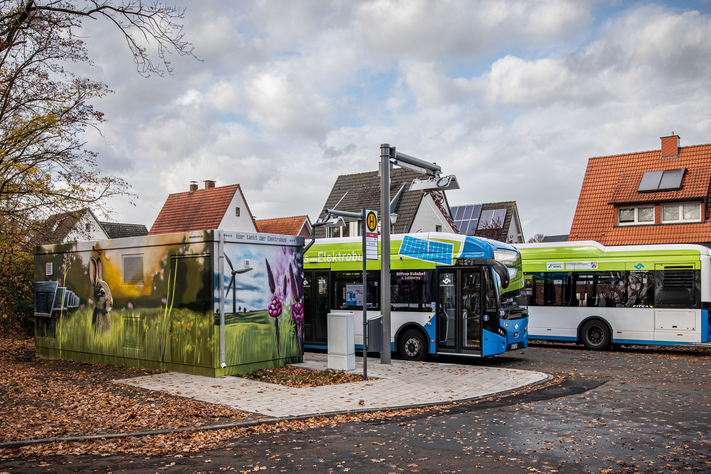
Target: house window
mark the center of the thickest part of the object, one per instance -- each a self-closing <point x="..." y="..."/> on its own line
<point x="438" y="228"/>
<point x="679" y="213"/>
<point x="88" y="227"/>
<point x="133" y="269"/>
<point x="492" y="219"/>
<point x="236" y="211"/>
<point x="635" y="215"/>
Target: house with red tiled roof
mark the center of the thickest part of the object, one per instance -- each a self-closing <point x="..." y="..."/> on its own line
<point x="211" y="208"/>
<point x="297" y="225"/>
<point x="650" y="197"/>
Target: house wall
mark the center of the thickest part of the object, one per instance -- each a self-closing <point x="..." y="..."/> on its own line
<point x="515" y="233"/>
<point x="244" y="222"/>
<point x="79" y="234"/>
<point x="428" y="216"/>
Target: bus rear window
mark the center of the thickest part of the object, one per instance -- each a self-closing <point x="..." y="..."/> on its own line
<point x="677" y="288"/>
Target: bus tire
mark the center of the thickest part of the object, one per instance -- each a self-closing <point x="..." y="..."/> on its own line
<point x="595" y="335"/>
<point x="412" y="345"/>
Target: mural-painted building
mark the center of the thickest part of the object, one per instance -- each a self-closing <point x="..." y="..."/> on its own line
<point x="206" y="302"/>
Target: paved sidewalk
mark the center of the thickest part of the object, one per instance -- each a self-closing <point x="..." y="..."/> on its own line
<point x="402" y="384"/>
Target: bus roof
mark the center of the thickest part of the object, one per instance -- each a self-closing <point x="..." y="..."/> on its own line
<point x="428" y="248"/>
<point x="591" y="245"/>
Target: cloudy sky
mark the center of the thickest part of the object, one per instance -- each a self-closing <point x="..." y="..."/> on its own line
<point x="511" y="97"/>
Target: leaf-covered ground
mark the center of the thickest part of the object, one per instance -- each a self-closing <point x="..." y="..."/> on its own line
<point x="62" y="398"/>
<point x="300" y="378"/>
<point x="42" y="398"/>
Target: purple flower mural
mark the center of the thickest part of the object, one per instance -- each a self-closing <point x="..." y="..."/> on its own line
<point x="297" y="309"/>
<point x="275" y="305"/>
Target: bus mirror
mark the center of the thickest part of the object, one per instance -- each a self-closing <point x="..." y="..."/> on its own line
<point x="503" y="273"/>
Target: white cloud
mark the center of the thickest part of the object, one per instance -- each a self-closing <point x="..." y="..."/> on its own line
<point x="292" y="94"/>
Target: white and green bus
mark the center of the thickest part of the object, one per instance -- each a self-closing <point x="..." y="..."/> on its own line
<point x="450" y="294"/>
<point x="600" y="295"/>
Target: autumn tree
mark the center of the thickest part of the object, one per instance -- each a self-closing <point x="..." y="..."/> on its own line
<point x="45" y="168"/>
<point x="536" y="239"/>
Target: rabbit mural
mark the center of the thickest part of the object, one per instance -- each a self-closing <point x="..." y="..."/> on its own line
<point x="103" y="301"/>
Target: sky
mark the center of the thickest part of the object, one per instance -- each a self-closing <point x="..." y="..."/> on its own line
<point x="511" y="97"/>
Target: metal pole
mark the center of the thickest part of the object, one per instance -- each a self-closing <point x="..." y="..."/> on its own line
<point x="221" y="265"/>
<point x="385" y="152"/>
<point x="365" y="301"/>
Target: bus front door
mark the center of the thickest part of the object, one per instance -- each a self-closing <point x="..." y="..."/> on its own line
<point x="315" y="309"/>
<point x="459" y="311"/>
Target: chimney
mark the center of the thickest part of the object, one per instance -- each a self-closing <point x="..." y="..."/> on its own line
<point x="193" y="186"/>
<point x="209" y="184"/>
<point x="670" y="146"/>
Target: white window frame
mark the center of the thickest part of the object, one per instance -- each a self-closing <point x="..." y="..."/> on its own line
<point x="681" y="219"/>
<point x="636" y="215"/>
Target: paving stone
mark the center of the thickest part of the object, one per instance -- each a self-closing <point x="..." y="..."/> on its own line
<point x="403" y="383"/>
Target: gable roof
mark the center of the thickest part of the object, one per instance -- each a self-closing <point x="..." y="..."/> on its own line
<point x="202" y="209"/>
<point x="611" y="180"/>
<point x="353" y="192"/>
<point x="117" y="230"/>
<point x="283" y="225"/>
<point x="56" y="228"/>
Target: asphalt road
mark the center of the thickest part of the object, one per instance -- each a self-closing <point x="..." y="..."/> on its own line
<point x="630" y="410"/>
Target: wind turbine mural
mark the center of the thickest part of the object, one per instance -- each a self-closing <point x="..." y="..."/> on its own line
<point x="233" y="283"/>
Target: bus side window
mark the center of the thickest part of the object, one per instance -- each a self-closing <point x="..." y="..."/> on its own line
<point x="640" y="289"/>
<point x="584" y="294"/>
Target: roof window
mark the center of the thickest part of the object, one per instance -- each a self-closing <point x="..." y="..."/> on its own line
<point x="667" y="180"/>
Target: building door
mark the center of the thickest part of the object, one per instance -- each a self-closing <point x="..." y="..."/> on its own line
<point x="315" y="308"/>
<point x="459" y="310"/>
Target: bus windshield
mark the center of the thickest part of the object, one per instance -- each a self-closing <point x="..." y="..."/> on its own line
<point x="514" y="302"/>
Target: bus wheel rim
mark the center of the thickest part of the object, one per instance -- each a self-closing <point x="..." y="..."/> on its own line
<point x="412" y="347"/>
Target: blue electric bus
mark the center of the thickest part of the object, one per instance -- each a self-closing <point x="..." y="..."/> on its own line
<point x="450" y="294"/>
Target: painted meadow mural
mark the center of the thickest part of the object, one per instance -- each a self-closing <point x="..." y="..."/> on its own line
<point x="154" y="302"/>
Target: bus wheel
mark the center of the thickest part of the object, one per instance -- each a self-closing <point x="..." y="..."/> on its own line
<point x="412" y="345"/>
<point x="596" y="336"/>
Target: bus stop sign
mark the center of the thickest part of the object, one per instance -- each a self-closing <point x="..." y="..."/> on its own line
<point x="371" y="234"/>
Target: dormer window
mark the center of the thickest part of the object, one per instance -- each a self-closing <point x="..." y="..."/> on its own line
<point x="643" y="215"/>
<point x="681" y="213"/>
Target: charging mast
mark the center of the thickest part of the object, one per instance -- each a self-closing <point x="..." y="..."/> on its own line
<point x="390" y="157"/>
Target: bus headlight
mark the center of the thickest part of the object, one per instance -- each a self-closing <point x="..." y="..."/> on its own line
<point x="506" y="257"/>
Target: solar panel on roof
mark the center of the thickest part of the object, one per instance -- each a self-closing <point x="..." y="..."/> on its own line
<point x="476" y="212"/>
<point x="468" y="213"/>
<point x="650" y="181"/>
<point x="458" y="211"/>
<point x="464" y="229"/>
<point x="472" y="226"/>
<point x="671" y="179"/>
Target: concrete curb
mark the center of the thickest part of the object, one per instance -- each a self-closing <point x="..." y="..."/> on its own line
<point x="267" y="421"/>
